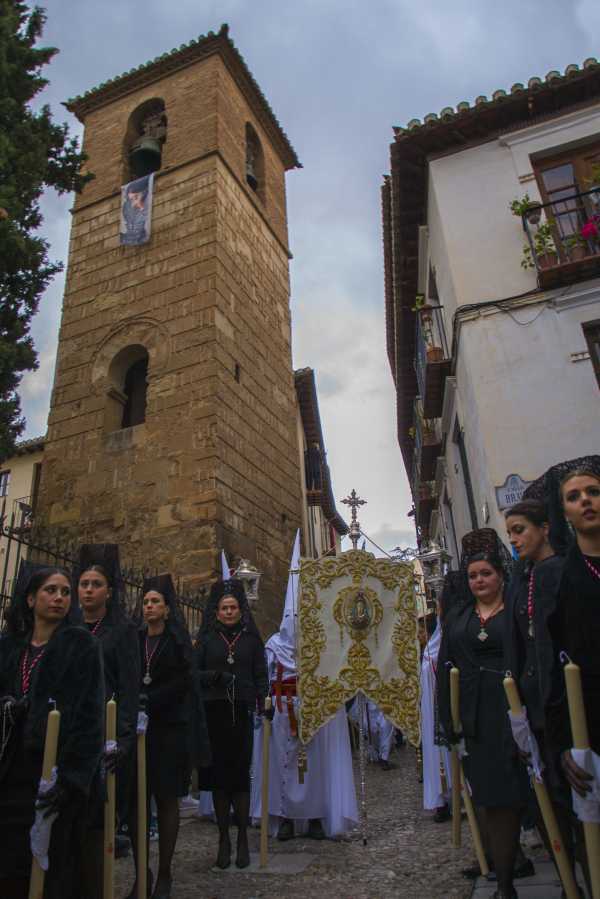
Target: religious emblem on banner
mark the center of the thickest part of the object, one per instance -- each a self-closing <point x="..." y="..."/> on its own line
<point x="357" y="632"/>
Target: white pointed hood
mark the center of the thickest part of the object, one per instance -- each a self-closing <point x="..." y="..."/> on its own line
<point x="283" y="644"/>
<point x="225" y="573"/>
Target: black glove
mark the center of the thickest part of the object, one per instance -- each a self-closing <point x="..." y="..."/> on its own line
<point x="113" y="759"/>
<point x="269" y="714"/>
<point x="143" y="702"/>
<point x="224" y="678"/>
<point x="54" y="801"/>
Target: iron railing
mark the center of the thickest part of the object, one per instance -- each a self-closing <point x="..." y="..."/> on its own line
<point x="567" y="229"/>
<point x="431" y="343"/>
<point x="52" y="548"/>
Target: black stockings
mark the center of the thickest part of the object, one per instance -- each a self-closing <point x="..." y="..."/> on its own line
<point x="167" y="811"/>
<point x="222" y="804"/>
<point x="241" y="807"/>
<point x="504" y="827"/>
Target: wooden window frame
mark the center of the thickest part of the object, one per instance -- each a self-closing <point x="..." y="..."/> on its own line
<point x="576" y="156"/>
<point x="4" y="481"/>
<point x="591" y="332"/>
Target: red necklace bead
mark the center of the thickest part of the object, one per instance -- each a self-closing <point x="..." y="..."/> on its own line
<point x="595" y="571"/>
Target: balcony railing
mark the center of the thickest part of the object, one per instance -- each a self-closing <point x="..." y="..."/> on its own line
<point x="428" y="444"/>
<point x="22" y="515"/>
<point x="432" y="362"/>
<point x="563" y="238"/>
<point x="425" y="502"/>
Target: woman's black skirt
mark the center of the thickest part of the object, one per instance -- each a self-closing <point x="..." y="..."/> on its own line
<point x="230" y="731"/>
<point x="168" y="764"/>
<point x="495" y="774"/>
<point x="21" y="771"/>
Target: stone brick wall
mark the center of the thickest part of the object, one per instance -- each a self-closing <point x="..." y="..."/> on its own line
<point x="215" y="462"/>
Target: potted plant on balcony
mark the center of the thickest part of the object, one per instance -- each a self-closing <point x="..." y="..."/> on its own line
<point x="546" y="254"/>
<point x="576" y="246"/>
<point x="531" y="209"/>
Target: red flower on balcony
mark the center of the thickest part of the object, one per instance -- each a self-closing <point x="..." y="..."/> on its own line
<point x="590" y="230"/>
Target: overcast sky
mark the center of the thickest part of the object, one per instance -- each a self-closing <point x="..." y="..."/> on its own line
<point x="338" y="75"/>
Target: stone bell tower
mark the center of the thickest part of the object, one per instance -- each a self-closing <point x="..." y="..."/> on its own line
<point x="172" y="421"/>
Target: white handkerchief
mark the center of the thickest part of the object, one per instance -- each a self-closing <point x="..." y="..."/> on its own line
<point x="39" y="835"/>
<point x="142" y="723"/>
<point x="525" y="740"/>
<point x="588" y="809"/>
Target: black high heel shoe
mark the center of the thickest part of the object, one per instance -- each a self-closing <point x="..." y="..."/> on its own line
<point x="149" y="882"/>
<point x="163" y="888"/>
<point x="224" y="853"/>
<point x="243" y="853"/>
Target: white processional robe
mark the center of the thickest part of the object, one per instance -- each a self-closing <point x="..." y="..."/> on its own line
<point x="378" y="731"/>
<point x="328" y="791"/>
<point x="434" y="795"/>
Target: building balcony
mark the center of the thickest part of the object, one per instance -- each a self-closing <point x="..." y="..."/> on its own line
<point x="563" y="238"/>
<point x="428" y="444"/>
<point x="21" y="520"/>
<point x="425" y="503"/>
<point x="432" y="362"/>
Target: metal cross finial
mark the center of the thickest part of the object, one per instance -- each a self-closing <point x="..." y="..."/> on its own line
<point x="354" y="502"/>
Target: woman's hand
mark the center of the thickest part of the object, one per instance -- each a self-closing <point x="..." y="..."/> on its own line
<point x="577" y="777"/>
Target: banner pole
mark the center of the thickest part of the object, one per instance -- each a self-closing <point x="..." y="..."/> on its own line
<point x="362" y="759"/>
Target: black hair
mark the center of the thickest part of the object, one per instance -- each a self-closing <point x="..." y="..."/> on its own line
<point x="533" y="510"/>
<point x="19" y="617"/>
<point x="495" y="561"/>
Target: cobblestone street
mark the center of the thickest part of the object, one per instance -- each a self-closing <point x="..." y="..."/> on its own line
<point x="407" y="854"/>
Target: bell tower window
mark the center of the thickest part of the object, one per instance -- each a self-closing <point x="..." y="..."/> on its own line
<point x="255" y="165"/>
<point x="136" y="385"/>
<point x="146" y="134"/>
<point x="128" y="387"/>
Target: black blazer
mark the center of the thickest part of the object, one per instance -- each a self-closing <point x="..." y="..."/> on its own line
<point x="168" y="695"/>
<point x="249" y="667"/>
<point x="70" y="673"/>
<point x="121" y="654"/>
<point x="546" y="582"/>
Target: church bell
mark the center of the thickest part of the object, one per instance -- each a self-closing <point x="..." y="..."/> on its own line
<point x="145" y="156"/>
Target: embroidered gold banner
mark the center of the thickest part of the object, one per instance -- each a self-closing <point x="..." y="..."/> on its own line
<point x="357" y="630"/>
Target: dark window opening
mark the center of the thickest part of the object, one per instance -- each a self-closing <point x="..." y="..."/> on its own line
<point x="146" y="134"/>
<point x="238" y="372"/>
<point x="591" y="331"/>
<point x="254" y="161"/>
<point x="135" y="388"/>
<point x="459" y="440"/>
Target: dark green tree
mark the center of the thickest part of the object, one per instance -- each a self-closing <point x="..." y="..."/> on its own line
<point x="35" y="153"/>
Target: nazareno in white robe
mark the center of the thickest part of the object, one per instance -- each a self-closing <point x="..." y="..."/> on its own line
<point x="328" y="791"/>
<point x="433" y="794"/>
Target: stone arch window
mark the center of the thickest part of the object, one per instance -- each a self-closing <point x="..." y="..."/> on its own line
<point x="144" y="139"/>
<point x="127" y="393"/>
<point x="255" y="161"/>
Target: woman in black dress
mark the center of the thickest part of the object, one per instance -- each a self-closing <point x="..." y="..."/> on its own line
<point x="230" y="658"/>
<point x="101" y="598"/>
<point x="176" y="738"/>
<point x="572" y="492"/>
<point x="472" y="640"/>
<point x="45" y="659"/>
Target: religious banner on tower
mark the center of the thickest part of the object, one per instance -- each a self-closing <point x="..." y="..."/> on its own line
<point x="136" y="211"/>
<point x="357" y="631"/>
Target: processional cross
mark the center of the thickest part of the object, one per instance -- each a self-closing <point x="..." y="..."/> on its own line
<point x="354" y="502"/>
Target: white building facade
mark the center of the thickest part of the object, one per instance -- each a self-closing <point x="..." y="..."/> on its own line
<point x="496" y="365"/>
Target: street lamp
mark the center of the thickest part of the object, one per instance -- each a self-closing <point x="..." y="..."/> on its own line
<point x="435" y="562"/>
<point x="250" y="577"/>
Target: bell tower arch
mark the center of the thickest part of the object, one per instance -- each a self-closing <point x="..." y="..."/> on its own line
<point x="155" y="439"/>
